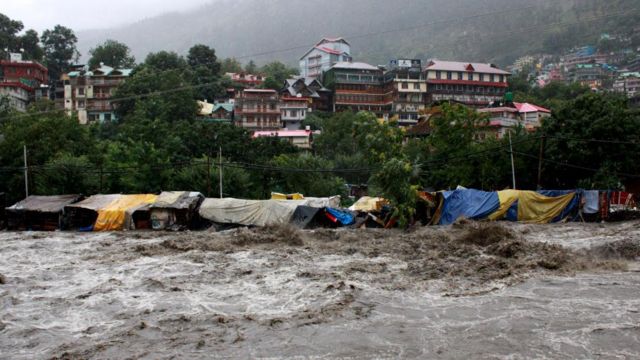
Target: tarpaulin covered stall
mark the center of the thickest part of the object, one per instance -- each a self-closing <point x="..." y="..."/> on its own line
<point x="42" y="213"/>
<point x="256" y="212"/>
<point x="174" y="209"/>
<point x="108" y="212"/>
<point x="533" y="207"/>
<point x="513" y="205"/>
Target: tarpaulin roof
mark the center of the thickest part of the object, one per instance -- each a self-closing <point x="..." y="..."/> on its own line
<point x="96" y="202"/>
<point x="367" y="203"/>
<point x="52" y="204"/>
<point x="256" y="212"/>
<point x="468" y="203"/>
<point x="177" y="200"/>
<point x="117" y="215"/>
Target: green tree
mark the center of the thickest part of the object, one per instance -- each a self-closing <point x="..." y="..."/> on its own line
<point x="206" y="72"/>
<point x="9" y="30"/>
<point x="59" y="50"/>
<point x="303" y="179"/>
<point x="275" y="74"/>
<point x="570" y="150"/>
<point x="30" y="43"/>
<point x="165" y="60"/>
<point x="111" y="53"/>
<point x="67" y="174"/>
<point x="251" y="67"/>
<point x="231" y="65"/>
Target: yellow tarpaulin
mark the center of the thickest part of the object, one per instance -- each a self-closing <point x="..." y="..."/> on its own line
<point x="279" y="196"/>
<point x="532" y="207"/>
<point x="367" y="203"/>
<point x="117" y="215"/>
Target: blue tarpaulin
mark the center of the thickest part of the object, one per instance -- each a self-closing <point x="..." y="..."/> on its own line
<point x="468" y="203"/>
<point x="344" y="217"/>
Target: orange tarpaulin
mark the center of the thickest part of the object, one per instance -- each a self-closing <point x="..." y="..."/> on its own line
<point x="117" y="215"/>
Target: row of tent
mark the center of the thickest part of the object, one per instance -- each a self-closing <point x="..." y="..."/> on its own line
<point x="181" y="210"/>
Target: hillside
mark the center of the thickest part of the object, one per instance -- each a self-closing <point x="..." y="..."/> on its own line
<point x="483" y="30"/>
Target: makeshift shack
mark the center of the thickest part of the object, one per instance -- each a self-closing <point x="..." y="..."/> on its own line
<point x="175" y="210"/>
<point x="256" y="212"/>
<point x="109" y="212"/>
<point x="39" y="213"/>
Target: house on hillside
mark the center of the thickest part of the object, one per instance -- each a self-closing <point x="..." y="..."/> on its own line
<point x="23" y="81"/>
<point x="507" y="117"/>
<point x="308" y="88"/>
<point x="88" y="93"/>
<point x="409" y="89"/>
<point x="245" y="80"/>
<point x="257" y="109"/>
<point x="326" y="53"/>
<point x="302" y="139"/>
<point x="359" y="86"/>
<point x="217" y="112"/>
<point x="473" y="84"/>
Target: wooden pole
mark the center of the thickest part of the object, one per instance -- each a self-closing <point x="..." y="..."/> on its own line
<point x="208" y="175"/>
<point x="220" y="168"/>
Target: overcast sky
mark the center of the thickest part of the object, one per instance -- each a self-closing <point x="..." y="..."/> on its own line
<point x="88" y="14"/>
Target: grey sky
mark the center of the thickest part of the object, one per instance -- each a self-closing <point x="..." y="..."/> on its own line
<point x="89" y="14"/>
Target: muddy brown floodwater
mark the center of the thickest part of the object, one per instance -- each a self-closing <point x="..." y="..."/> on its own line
<point x="470" y="290"/>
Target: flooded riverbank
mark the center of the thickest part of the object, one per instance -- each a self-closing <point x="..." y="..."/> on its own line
<point x="564" y="290"/>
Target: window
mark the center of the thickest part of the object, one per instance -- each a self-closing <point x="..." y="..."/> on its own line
<point x="81" y="91"/>
<point x="438" y="75"/>
<point x="493" y="78"/>
<point x="460" y="76"/>
<point x="470" y="76"/>
<point x="481" y="77"/>
<point x="405" y="85"/>
<point x="501" y="78"/>
<point x="449" y="75"/>
<point x="293" y="113"/>
<point x="416" y="86"/>
<point x="81" y="104"/>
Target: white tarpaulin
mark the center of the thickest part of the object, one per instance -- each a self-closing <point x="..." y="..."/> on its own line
<point x="255" y="212"/>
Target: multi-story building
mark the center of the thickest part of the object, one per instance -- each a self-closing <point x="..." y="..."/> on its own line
<point x="409" y="90"/>
<point x="628" y="83"/>
<point x="88" y="93"/>
<point x="473" y="84"/>
<point x="215" y="112"/>
<point x="592" y="75"/>
<point x="359" y="87"/>
<point x="323" y="56"/>
<point x="246" y="80"/>
<point x="22" y="81"/>
<point x="257" y="109"/>
<point x="512" y="115"/>
<point x="293" y="111"/>
<point x="309" y="88"/>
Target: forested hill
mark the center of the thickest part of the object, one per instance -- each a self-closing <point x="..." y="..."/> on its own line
<point x="481" y="30"/>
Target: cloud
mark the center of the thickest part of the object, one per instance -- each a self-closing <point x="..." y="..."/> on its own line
<point x="82" y="14"/>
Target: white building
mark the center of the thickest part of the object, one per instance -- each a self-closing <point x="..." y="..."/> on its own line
<point x="323" y="56"/>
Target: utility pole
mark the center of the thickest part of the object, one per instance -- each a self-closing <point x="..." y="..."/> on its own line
<point x="220" y="168"/>
<point x="540" y="155"/>
<point x="209" y="174"/>
<point x="26" y="173"/>
<point x="513" y="167"/>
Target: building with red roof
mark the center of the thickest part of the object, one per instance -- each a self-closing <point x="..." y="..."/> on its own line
<point x="473" y="84"/>
<point x="23" y="81"/>
<point x="503" y="119"/>
<point x="323" y="56"/>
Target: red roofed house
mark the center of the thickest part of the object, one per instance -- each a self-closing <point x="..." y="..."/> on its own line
<point x="504" y="118"/>
<point x="323" y="56"/>
<point x="299" y="138"/>
<point x="257" y="109"/>
<point x="22" y="81"/>
<point x="473" y="84"/>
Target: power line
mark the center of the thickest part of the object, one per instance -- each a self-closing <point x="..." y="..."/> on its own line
<point x="573" y="166"/>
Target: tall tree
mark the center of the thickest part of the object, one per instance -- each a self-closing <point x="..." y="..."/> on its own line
<point x="9" y="30"/>
<point x="206" y="71"/>
<point x="30" y="44"/>
<point x="276" y="73"/>
<point x="165" y="60"/>
<point x="59" y="50"/>
<point x="251" y="67"/>
<point x="112" y="53"/>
